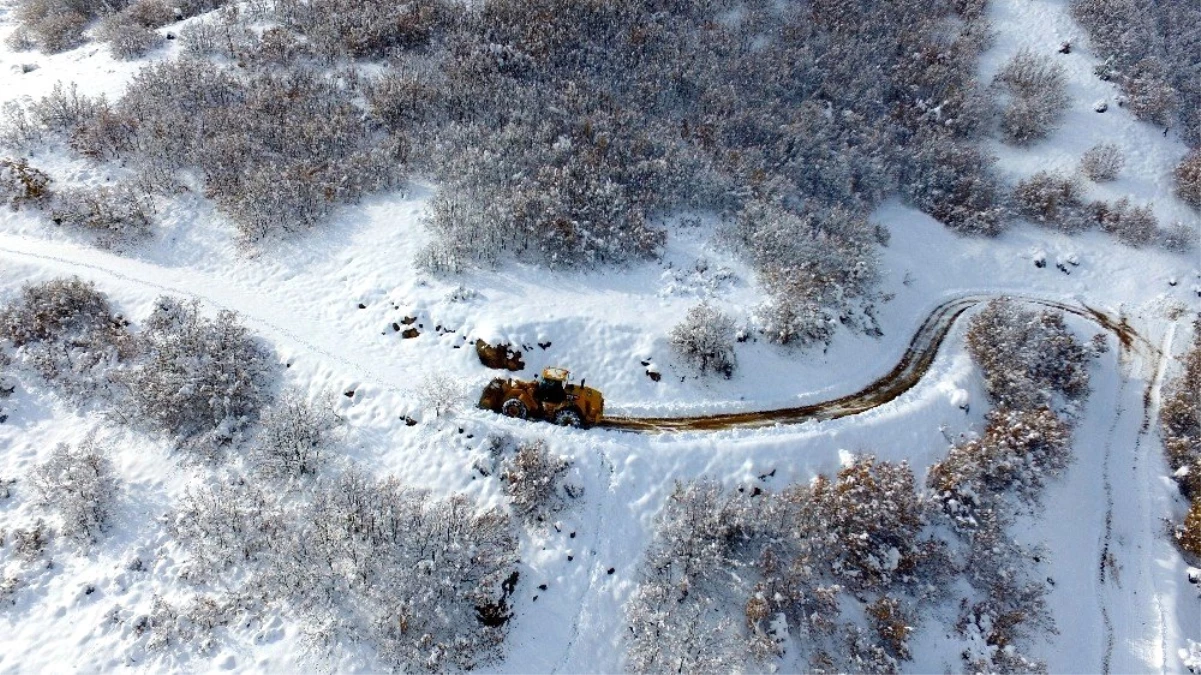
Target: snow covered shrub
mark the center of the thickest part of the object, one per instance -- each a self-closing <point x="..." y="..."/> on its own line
<point x="1150" y="51"/>
<point x="675" y="615"/>
<point x="819" y="266"/>
<point x="1027" y="357"/>
<point x="1102" y="162"/>
<point x="80" y="485"/>
<point x="54" y="25"/>
<point x="22" y="184"/>
<point x="871" y="516"/>
<point x="374" y="29"/>
<point x="1016" y="454"/>
<point x="294" y="437"/>
<point x="728" y="574"/>
<point x="423" y="580"/>
<point x="202" y="380"/>
<point x="67" y="332"/>
<point x="1188" y="535"/>
<point x="705" y="341"/>
<point x="533" y="480"/>
<point x="1037" y="92"/>
<point x="224" y="524"/>
<point x="113" y="214"/>
<point x="1132" y="225"/>
<point x="1179" y="237"/>
<point x="278" y="151"/>
<point x="1050" y="199"/>
<point x="954" y="183"/>
<point x="64" y="109"/>
<point x="1188" y="179"/>
<point x="30" y="544"/>
<point x="441" y="392"/>
<point x="1180" y="417"/>
<point x="127" y="38"/>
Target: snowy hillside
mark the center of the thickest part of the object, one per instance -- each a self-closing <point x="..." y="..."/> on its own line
<point x="216" y="550"/>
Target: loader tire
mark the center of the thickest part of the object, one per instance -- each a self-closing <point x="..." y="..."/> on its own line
<point x="514" y="408"/>
<point x="569" y="418"/>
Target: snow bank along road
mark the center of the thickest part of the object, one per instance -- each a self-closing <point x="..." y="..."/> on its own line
<point x="288" y="324"/>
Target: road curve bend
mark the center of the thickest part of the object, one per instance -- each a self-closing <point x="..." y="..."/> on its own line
<point x="910" y="370"/>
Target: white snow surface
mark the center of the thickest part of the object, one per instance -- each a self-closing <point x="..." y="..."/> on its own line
<point x="1137" y="613"/>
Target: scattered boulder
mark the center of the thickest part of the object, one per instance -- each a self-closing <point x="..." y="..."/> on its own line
<point x="499" y="357"/>
<point x="410" y="333"/>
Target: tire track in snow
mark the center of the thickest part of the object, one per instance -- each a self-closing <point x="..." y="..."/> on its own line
<point x="253" y="318"/>
<point x="598" y="522"/>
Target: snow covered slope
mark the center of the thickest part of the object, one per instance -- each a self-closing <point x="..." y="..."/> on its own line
<point x="328" y="302"/>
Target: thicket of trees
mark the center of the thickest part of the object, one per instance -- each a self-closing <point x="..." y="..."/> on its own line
<point x="423" y="580"/>
<point x="811" y="560"/>
<point x="201" y="381"/>
<point x="1180" y="420"/>
<point x="1036" y="93"/>
<point x="562" y="132"/>
<point x="840" y="569"/>
<point x="67" y="332"/>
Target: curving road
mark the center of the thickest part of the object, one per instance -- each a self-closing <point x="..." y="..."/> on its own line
<point x="914" y="364"/>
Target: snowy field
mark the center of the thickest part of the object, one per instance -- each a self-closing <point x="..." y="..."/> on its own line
<point x="328" y="301"/>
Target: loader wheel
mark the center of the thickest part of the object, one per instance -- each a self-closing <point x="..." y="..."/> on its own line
<point x="569" y="418"/>
<point x="514" y="408"/>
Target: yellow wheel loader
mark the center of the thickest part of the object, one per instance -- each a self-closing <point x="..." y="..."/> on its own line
<point x="548" y="397"/>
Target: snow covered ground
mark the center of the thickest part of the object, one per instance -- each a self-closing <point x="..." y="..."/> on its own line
<point x="328" y="301"/>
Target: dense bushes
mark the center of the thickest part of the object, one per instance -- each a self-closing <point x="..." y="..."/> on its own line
<point x="53" y="25"/>
<point x="22" y="184"/>
<point x="1188" y="179"/>
<point x="1036" y="89"/>
<point x="294" y="438"/>
<point x="277" y="151"/>
<point x="805" y="557"/>
<point x="1055" y="200"/>
<point x="78" y="483"/>
<point x="1050" y="199"/>
<point x="1132" y="225"/>
<point x="1102" y="162"/>
<point x="1029" y="358"/>
<point x="533" y="479"/>
<point x="1018" y="451"/>
<point x="1150" y="49"/>
<point x="66" y="331"/>
<point x="422" y="580"/>
<point x="201" y="380"/>
<point x="1180" y="417"/>
<point x="819" y="267"/>
<point x="113" y="215"/>
<point x="705" y="341"/>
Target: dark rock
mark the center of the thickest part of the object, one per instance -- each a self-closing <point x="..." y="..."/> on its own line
<point x="362" y="306"/>
<point x="409" y="320"/>
<point x="395" y="327"/>
<point x="410" y="333"/>
<point x="349" y="393"/>
<point x="654" y="375"/>
<point x="611" y="571"/>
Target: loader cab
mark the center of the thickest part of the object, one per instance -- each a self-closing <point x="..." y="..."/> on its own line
<point x="552" y="385"/>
